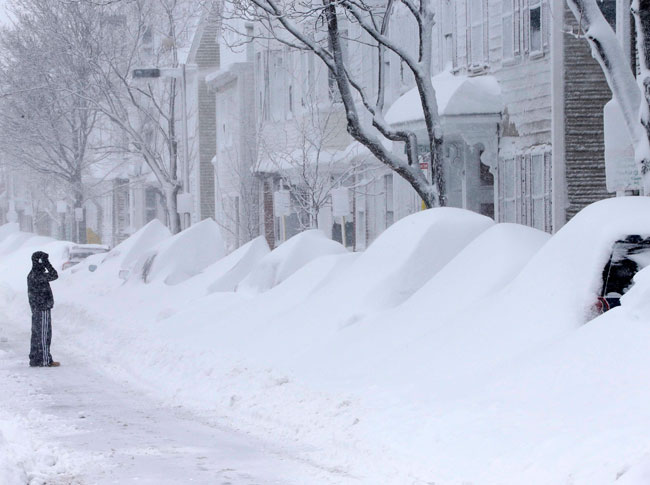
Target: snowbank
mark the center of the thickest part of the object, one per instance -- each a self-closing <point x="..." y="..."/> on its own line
<point x="125" y="255"/>
<point x="228" y="272"/>
<point x="15" y="265"/>
<point x="180" y="257"/>
<point x="286" y="259"/>
<point x="378" y="346"/>
<point x="451" y="337"/>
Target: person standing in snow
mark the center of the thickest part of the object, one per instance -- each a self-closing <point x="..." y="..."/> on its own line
<point x="41" y="302"/>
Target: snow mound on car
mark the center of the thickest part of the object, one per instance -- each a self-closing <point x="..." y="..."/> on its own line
<point x="287" y="258"/>
<point x="561" y="283"/>
<point x="548" y="299"/>
<point x="231" y="270"/>
<point x="125" y="254"/>
<point x="399" y="262"/>
<point x="493" y="259"/>
<point x="478" y="272"/>
<point x="182" y="256"/>
<point x="226" y="273"/>
<point x="410" y="252"/>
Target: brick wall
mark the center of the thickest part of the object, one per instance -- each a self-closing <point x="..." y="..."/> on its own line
<point x="207" y="59"/>
<point x="586" y="93"/>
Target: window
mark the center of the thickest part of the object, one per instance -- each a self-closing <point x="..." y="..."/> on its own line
<point x="448" y="28"/>
<point x="264" y="94"/>
<point x="361" y="229"/>
<point x="277" y="83"/>
<point x="508" y="37"/>
<point x="290" y="99"/>
<point x="389" y="197"/>
<point x="509" y="192"/>
<point x="538" y="192"/>
<point x="250" y="47"/>
<point x="535" y="25"/>
<point x="517" y="27"/>
<point x="477" y="33"/>
<point x="151" y="204"/>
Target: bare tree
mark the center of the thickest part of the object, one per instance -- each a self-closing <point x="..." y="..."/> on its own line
<point x="318" y="28"/>
<point x="307" y="163"/>
<point x="130" y="35"/>
<point x="633" y="95"/>
<point x="46" y="126"/>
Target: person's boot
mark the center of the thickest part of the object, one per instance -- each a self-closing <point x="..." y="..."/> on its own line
<point x="53" y="364"/>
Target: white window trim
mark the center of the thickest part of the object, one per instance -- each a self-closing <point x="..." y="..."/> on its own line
<point x="535" y="53"/>
<point x="504" y="16"/>
<point x="473" y="65"/>
<point x="513" y="198"/>
<point x="540" y="151"/>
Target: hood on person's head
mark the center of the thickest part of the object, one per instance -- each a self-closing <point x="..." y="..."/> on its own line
<point x="38" y="258"/>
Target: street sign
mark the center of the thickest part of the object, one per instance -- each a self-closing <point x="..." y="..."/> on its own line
<point x="282" y="203"/>
<point x="341" y="202"/>
<point x="78" y="214"/>
<point x="146" y="73"/>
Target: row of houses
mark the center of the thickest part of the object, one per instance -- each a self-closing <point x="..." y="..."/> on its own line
<point x="521" y="103"/>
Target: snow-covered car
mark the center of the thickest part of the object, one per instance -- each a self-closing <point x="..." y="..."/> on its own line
<point x="629" y="256"/>
<point x="79" y="252"/>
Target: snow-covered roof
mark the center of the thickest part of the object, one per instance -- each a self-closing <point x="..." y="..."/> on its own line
<point x="326" y="157"/>
<point x="456" y="95"/>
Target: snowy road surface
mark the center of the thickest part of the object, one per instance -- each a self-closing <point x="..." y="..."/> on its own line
<point x="96" y="431"/>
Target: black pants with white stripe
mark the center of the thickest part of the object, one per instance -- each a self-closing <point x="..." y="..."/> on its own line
<point x="39" y="353"/>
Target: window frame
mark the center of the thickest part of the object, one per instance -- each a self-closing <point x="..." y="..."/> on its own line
<point x="389" y="200"/>
<point x="538" y="190"/>
<point x="511" y="35"/>
<point x="535" y="5"/>
<point x="509" y="165"/>
<point x="476" y="22"/>
<point x="449" y="51"/>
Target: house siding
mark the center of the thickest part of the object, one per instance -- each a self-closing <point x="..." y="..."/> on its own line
<point x="206" y="59"/>
<point x="586" y="93"/>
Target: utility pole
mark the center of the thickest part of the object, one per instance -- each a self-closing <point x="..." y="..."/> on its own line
<point x="175" y="73"/>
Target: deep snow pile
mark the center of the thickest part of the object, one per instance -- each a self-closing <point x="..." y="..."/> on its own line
<point x="278" y="265"/>
<point x="125" y="255"/>
<point x="182" y="256"/>
<point x="453" y="350"/>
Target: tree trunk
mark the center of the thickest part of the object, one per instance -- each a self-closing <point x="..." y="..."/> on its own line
<point x="80" y="233"/>
<point x="79" y="227"/>
<point x="171" y="206"/>
<point x="641" y="10"/>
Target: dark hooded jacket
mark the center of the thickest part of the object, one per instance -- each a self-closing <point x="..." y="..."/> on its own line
<point x="38" y="282"/>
